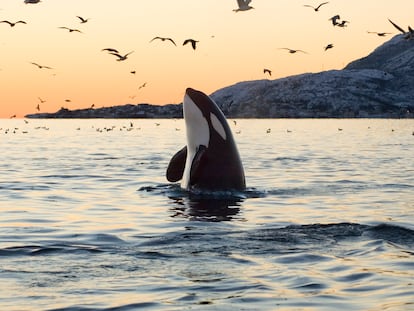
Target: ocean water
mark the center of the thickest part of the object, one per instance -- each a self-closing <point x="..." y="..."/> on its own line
<point x="89" y="222"/>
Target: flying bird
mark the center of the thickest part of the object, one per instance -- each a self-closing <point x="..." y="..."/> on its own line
<point x="192" y="41"/>
<point x="268" y="71"/>
<point x="316" y="9"/>
<point x="329" y="46"/>
<point x="41" y="101"/>
<point x="379" y="34"/>
<point x="334" y="19"/>
<point x="111" y="50"/>
<point x="71" y="29"/>
<point x="292" y="51"/>
<point x="342" y="24"/>
<point x="11" y="24"/>
<point x="83" y="20"/>
<point x="142" y="85"/>
<point x="243" y="5"/>
<point x="41" y="66"/>
<point x="121" y="57"/>
<point x="408" y="35"/>
<point x="38" y="107"/>
<point x="31" y="1"/>
<point x="163" y="39"/>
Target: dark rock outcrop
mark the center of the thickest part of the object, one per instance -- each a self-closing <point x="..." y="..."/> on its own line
<point x="117" y="112"/>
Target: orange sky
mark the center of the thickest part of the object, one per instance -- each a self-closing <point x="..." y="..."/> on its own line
<point x="232" y="47"/>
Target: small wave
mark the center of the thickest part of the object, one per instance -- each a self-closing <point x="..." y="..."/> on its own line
<point x="174" y="190"/>
<point x="44" y="250"/>
<point x="392" y="233"/>
<point x="291" y="159"/>
<point x="127" y="307"/>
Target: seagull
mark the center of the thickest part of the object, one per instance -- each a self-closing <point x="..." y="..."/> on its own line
<point x="329" y="46"/>
<point x="41" y="101"/>
<point x="192" y="41"/>
<point x="342" y="24"/>
<point x="316" y="9"/>
<point x="142" y="85"/>
<point x="291" y="51"/>
<point x="121" y="57"/>
<point x="31" y="1"/>
<point x="83" y="20"/>
<point x="41" y="66"/>
<point x="71" y="29"/>
<point x="110" y="50"/>
<point x="408" y="35"/>
<point x="38" y="107"/>
<point x="334" y="19"/>
<point x="243" y="5"/>
<point x="268" y="71"/>
<point x="379" y="34"/>
<point x="13" y="24"/>
<point x="163" y="39"/>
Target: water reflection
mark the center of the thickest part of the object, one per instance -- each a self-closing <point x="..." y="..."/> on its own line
<point x="206" y="209"/>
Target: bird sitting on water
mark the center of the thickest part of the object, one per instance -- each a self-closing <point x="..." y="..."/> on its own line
<point x="243" y="5"/>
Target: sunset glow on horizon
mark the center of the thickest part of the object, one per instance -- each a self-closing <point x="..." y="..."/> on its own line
<point x="232" y="47"/>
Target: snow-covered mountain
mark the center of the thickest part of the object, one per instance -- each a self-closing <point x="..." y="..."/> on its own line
<point x="379" y="85"/>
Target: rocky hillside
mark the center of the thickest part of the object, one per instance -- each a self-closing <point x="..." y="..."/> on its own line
<point x="378" y="85"/>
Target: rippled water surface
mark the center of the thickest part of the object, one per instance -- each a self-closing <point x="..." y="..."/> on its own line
<point x="88" y="221"/>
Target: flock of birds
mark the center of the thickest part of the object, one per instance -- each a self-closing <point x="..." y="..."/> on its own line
<point x="131" y="126"/>
<point x="242" y="6"/>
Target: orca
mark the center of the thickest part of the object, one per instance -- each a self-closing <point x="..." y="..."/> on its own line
<point x="210" y="161"/>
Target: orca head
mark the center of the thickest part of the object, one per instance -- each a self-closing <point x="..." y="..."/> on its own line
<point x="203" y="119"/>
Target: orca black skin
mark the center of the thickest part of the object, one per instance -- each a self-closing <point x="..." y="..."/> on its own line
<point x="210" y="160"/>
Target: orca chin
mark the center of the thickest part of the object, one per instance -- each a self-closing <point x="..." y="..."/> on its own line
<point x="210" y="160"/>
